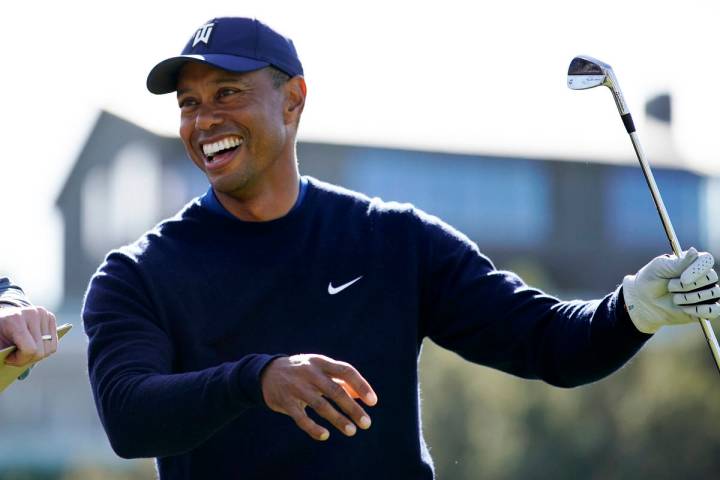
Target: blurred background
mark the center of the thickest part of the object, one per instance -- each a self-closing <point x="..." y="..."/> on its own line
<point x="460" y="108"/>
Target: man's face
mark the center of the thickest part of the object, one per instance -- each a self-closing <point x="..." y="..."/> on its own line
<point x="234" y="126"/>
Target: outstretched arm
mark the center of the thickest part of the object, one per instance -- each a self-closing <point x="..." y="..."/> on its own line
<point x="493" y="318"/>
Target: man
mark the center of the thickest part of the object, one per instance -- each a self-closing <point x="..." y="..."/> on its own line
<point x="232" y="340"/>
<point x="32" y="329"/>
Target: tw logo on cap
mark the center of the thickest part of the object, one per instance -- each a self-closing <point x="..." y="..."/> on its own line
<point x="203" y="34"/>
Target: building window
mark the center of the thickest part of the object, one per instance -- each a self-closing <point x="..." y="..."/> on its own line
<point x="121" y="200"/>
<point x="630" y="214"/>
<point x="495" y="201"/>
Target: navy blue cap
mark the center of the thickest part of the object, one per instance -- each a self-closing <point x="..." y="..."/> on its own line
<point x="231" y="43"/>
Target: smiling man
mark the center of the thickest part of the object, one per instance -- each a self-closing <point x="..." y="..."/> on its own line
<point x="232" y="132"/>
<point x="272" y="328"/>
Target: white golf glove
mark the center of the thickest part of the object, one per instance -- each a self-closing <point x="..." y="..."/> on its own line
<point x="671" y="291"/>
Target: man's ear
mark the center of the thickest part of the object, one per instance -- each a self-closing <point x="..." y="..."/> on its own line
<point x="295" y="91"/>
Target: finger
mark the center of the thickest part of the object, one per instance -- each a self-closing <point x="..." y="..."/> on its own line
<point x="709" y="311"/>
<point x="700" y="267"/>
<point x="347" y="373"/>
<point x="347" y="387"/>
<point x="33" y="320"/>
<point x="676" y="285"/>
<point x="45" y="330"/>
<point x="52" y="325"/>
<point x="21" y="337"/>
<point x="691" y="298"/>
<point x="337" y="391"/>
<point x="306" y="424"/>
<point x="323" y="408"/>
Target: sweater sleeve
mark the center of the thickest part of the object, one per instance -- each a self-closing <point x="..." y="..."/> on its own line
<point x="146" y="408"/>
<point x="493" y="318"/>
<point x="12" y="295"/>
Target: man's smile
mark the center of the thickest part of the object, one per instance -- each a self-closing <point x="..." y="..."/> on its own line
<point x="219" y="146"/>
<point x="218" y="153"/>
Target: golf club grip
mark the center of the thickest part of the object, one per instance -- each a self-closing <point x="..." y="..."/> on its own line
<point x="672" y="237"/>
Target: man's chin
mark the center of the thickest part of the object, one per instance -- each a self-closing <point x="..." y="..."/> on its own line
<point x="230" y="185"/>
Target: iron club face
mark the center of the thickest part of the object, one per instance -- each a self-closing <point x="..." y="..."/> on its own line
<point x="588" y="72"/>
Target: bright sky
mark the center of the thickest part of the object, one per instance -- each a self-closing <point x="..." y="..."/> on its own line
<point x="478" y="77"/>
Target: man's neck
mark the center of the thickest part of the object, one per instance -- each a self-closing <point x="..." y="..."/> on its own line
<point x="268" y="203"/>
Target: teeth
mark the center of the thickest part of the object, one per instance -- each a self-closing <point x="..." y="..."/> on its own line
<point x="211" y="149"/>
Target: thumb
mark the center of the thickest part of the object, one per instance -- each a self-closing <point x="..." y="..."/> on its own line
<point x="672" y="266"/>
<point x="700" y="267"/>
<point x="686" y="259"/>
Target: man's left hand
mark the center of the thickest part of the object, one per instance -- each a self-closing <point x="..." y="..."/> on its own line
<point x="673" y="290"/>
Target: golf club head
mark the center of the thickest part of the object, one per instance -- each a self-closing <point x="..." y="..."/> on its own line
<point x="587" y="72"/>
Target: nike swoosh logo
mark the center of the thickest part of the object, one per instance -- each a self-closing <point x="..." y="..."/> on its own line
<point x="333" y="290"/>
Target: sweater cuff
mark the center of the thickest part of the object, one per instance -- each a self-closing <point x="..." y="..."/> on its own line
<point x="245" y="378"/>
<point x="13" y="297"/>
<point x="623" y="322"/>
<point x="7" y="304"/>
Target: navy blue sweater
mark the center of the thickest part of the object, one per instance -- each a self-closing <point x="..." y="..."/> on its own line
<point x="182" y="322"/>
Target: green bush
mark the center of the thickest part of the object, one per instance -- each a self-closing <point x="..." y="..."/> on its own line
<point x="659" y="417"/>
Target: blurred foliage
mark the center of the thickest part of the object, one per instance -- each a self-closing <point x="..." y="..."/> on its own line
<point x="658" y="417"/>
<point x="131" y="470"/>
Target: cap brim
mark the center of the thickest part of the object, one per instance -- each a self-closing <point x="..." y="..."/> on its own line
<point x="164" y="76"/>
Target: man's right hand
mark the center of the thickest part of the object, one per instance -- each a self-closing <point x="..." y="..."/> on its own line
<point x="25" y="327"/>
<point x="289" y="384"/>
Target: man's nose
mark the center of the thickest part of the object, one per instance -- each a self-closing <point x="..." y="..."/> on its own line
<point x="207" y="118"/>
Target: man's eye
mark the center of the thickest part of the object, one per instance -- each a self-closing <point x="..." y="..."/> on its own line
<point x="226" y="92"/>
<point x="186" y="102"/>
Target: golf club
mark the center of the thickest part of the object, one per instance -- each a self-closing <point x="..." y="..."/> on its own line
<point x="587" y="72"/>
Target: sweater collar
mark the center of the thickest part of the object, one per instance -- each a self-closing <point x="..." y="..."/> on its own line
<point x="210" y="201"/>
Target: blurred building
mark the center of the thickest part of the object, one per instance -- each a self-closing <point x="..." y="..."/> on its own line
<point x="550" y="220"/>
<point x="551" y="213"/>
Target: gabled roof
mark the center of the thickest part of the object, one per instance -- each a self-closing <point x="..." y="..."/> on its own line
<point x="106" y="138"/>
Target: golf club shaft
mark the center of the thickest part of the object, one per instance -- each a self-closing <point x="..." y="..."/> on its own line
<point x="655" y="192"/>
<point x="674" y="243"/>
